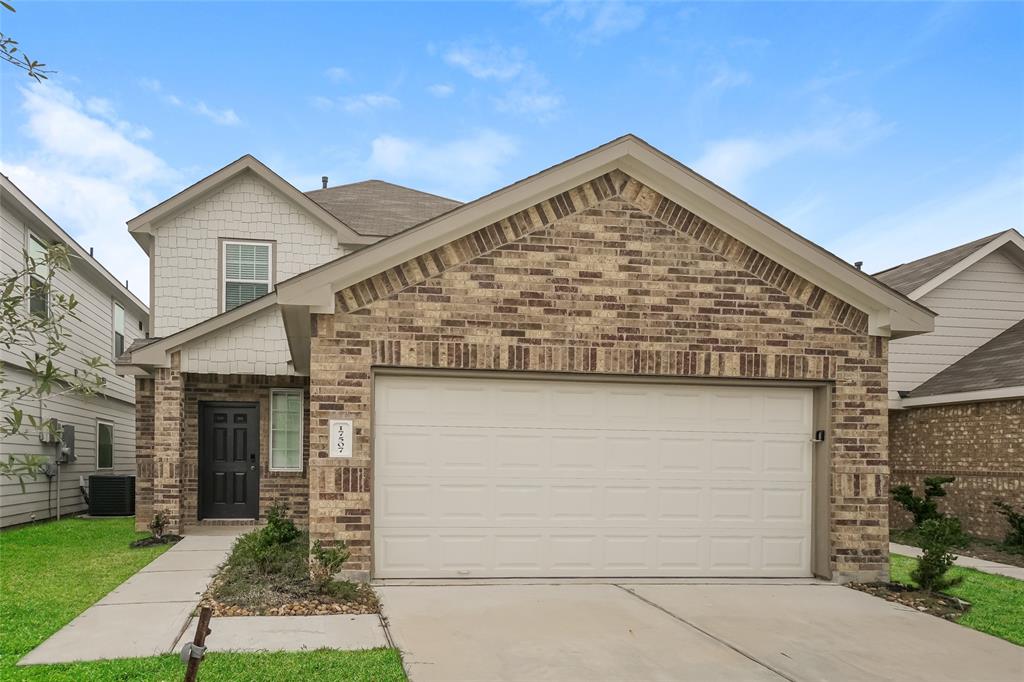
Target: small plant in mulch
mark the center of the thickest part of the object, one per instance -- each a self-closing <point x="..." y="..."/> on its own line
<point x="158" y="537"/>
<point x="940" y="605"/>
<point x="1015" y="519"/>
<point x="273" y="571"/>
<point x="927" y="507"/>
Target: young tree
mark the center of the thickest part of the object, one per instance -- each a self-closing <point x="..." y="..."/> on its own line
<point x="33" y="326"/>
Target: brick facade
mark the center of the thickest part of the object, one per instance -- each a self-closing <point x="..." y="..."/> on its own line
<point x="982" y="444"/>
<point x="169" y="481"/>
<point x="608" y="278"/>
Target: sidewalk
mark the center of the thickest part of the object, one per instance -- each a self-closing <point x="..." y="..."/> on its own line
<point x="147" y="613"/>
<point x="966" y="561"/>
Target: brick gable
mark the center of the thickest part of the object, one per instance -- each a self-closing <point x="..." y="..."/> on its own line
<point x="606" y="278"/>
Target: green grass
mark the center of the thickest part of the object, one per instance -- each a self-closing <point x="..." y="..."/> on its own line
<point x="997" y="602"/>
<point x="51" y="572"/>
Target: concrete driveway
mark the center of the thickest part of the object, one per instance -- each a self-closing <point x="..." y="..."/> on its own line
<point x="681" y="631"/>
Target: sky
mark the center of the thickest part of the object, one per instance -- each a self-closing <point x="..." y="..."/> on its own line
<point x="884" y="132"/>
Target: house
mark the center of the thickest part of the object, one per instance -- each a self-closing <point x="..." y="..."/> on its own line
<point x="956" y="395"/>
<point x="612" y="367"/>
<point x="109" y="319"/>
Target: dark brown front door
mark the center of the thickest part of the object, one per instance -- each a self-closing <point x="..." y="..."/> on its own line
<point x="229" y="468"/>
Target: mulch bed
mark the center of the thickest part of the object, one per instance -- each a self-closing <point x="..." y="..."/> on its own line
<point x="939" y="605"/>
<point x="167" y="539"/>
<point x="365" y="602"/>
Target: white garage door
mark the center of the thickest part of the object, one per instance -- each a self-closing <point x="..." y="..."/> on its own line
<point x="480" y="477"/>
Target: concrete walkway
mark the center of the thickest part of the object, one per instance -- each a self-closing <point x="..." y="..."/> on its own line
<point x="966" y="561"/>
<point x="291" y="633"/>
<point x="147" y="613"/>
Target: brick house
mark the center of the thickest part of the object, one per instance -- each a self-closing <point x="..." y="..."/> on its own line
<point x="956" y="394"/>
<point x="612" y="367"/>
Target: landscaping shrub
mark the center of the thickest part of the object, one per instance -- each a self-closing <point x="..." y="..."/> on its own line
<point x="1015" y="535"/>
<point x="923" y="508"/>
<point x="324" y="562"/>
<point x="937" y="537"/>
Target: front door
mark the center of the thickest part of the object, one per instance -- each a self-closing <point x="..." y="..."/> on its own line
<point x="229" y="468"/>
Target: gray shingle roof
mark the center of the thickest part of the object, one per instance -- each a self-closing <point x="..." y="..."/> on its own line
<point x="909" y="276"/>
<point x="378" y="208"/>
<point x="997" y="364"/>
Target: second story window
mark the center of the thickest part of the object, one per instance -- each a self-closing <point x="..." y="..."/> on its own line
<point x="39" y="296"/>
<point x="247" y="272"/>
<point x="118" y="330"/>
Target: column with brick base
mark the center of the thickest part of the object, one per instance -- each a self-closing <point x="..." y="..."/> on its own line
<point x="143" y="452"/>
<point x="168" y="418"/>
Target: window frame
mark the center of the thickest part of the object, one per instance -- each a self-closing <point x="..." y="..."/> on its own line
<point x="104" y="422"/>
<point x="222" y="295"/>
<point x="302" y="428"/>
<point x="32" y="278"/>
<point x="124" y="326"/>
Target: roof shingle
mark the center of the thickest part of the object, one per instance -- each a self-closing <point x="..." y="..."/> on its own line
<point x="997" y="364"/>
<point x="378" y="208"/>
<point x="909" y="276"/>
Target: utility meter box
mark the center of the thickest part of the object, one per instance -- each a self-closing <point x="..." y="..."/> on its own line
<point x="67" y="444"/>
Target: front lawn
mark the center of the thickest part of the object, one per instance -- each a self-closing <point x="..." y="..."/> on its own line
<point x="979" y="548"/>
<point x="51" y="572"/>
<point x="997" y="602"/>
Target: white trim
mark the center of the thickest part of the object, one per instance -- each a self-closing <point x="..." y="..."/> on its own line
<point x="270" y="429"/>
<point x="1005" y="393"/>
<point x="1010" y="237"/>
<point x="100" y="421"/>
<point x="224" y="270"/>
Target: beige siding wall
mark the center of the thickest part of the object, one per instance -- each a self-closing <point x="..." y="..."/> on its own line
<point x="256" y="346"/>
<point x="977" y="305"/>
<point x="187" y="250"/>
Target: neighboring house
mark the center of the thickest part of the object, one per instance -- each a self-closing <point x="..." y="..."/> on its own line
<point x="109" y="318"/>
<point x="610" y="368"/>
<point x="957" y="393"/>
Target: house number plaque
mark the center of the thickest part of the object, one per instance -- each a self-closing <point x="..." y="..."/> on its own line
<point x="341" y="437"/>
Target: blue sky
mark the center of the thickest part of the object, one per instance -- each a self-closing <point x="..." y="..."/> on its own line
<point x="882" y="131"/>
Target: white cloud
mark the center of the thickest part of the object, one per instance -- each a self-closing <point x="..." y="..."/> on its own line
<point x="725" y="77"/>
<point x="951" y="218"/>
<point x="356" y="104"/>
<point x="104" y="108"/>
<point x="336" y="74"/>
<point x="732" y="161"/>
<point x="441" y="89"/>
<point x="526" y="102"/>
<point x="596" y="22"/>
<point x="492" y="62"/>
<point x="224" y="117"/>
<point x="84" y="170"/>
<point x="464" y="168"/>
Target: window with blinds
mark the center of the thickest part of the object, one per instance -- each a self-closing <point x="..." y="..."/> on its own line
<point x="247" y="272"/>
<point x="39" y="294"/>
<point x="118" y="330"/>
<point x="285" y="430"/>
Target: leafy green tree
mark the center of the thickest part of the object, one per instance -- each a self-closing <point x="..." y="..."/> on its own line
<point x="33" y="326"/>
<point x="938" y="536"/>
<point x="10" y="53"/>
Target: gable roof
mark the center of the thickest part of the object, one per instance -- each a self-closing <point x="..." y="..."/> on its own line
<point x="45" y="227"/>
<point x="141" y="226"/>
<point x="916" y="278"/>
<point x="378" y="208"/>
<point x="890" y="313"/>
<point x="999" y="364"/>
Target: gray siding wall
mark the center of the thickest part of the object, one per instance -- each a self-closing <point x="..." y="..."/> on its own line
<point x="975" y="306"/>
<point x="90" y="335"/>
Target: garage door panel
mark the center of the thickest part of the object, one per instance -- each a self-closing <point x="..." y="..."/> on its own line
<point x="527" y="478"/>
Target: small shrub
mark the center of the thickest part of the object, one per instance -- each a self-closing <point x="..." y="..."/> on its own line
<point x="324" y="562"/>
<point x="937" y="537"/>
<point x="279" y="529"/>
<point x="923" y="508"/>
<point x="1015" y="535"/>
<point x="158" y="525"/>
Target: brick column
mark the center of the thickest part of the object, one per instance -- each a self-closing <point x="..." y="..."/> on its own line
<point x="168" y="413"/>
<point x="143" y="452"/>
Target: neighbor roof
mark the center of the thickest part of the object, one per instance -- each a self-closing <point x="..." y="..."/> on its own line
<point x="910" y="276"/>
<point x="997" y="364"/>
<point x="378" y="208"/>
